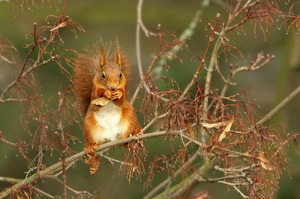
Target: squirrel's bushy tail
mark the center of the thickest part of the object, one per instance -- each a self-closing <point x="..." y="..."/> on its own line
<point x="86" y="66"/>
<point x="84" y="71"/>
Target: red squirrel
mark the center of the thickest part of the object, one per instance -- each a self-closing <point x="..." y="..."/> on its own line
<point x="100" y="80"/>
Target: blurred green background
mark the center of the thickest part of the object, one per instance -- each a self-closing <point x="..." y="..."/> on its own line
<point x="117" y="19"/>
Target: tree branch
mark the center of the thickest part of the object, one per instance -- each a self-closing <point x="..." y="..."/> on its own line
<point x="180" y="188"/>
<point x="74" y="158"/>
<point x="279" y="107"/>
<point x="169" y="179"/>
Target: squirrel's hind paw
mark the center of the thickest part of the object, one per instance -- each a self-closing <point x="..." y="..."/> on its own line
<point x="94" y="163"/>
<point x="93" y="159"/>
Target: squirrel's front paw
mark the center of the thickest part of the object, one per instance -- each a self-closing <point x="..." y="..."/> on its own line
<point x="116" y="95"/>
<point x="108" y="94"/>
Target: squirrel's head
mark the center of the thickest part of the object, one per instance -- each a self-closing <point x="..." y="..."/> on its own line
<point x="110" y="71"/>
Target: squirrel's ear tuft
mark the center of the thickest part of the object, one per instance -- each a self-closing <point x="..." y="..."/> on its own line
<point x="103" y="58"/>
<point x="118" y="56"/>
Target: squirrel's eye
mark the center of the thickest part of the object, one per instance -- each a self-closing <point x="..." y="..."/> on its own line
<point x="121" y="75"/>
<point x="103" y="75"/>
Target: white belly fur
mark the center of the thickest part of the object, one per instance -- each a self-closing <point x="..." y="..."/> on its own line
<point x="110" y="125"/>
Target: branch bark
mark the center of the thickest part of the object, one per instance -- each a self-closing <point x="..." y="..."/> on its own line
<point x="279" y="107"/>
<point x="78" y="156"/>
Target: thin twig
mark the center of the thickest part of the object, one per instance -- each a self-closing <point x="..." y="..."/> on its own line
<point x="257" y="64"/>
<point x="225" y="170"/>
<point x="9" y="179"/>
<point x="143" y="81"/>
<point x="202" y="60"/>
<point x="35" y="43"/>
<point x="64" y="8"/>
<point x="23" y="75"/>
<point x="184" y="36"/>
<point x="138" y="44"/>
<point x="42" y="192"/>
<point x="234" y="185"/>
<point x="170" y="178"/>
<point x="68" y="187"/>
<point x="63" y="144"/>
<point x="13" y="100"/>
<point x="177" y="190"/>
<point x="140" y="21"/>
<point x="154" y="120"/>
<point x="293" y="137"/>
<point x="279" y="107"/>
<point x="34" y="66"/>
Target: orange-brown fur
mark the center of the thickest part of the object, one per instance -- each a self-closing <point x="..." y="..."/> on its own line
<point x="101" y="74"/>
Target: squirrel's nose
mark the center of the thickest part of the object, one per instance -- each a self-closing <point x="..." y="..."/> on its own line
<point x="112" y="89"/>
